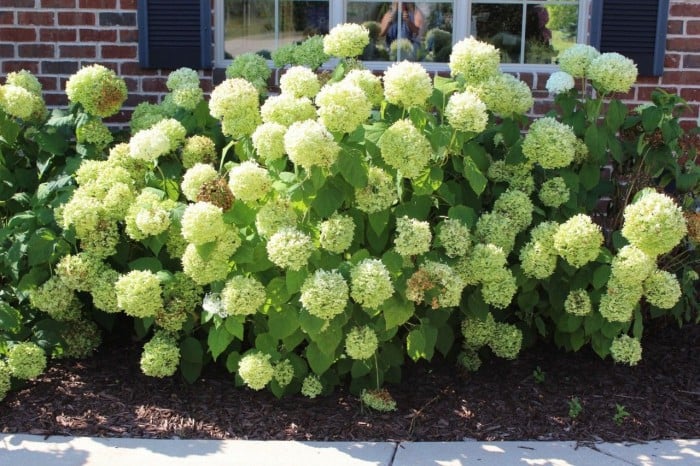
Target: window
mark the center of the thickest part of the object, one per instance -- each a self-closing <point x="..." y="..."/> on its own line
<point x="528" y="32"/>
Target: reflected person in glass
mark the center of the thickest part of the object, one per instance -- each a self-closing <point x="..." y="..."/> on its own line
<point x="410" y="27"/>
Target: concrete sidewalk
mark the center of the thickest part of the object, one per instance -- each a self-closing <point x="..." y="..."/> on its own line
<point x="31" y="450"/>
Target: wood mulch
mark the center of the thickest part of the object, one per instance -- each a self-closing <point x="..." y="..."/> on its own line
<point x="108" y="396"/>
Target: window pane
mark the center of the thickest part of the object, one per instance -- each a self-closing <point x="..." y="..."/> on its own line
<point x="500" y="25"/>
<point x="399" y="30"/>
<point x="538" y="36"/>
<point x="264" y="25"/>
<point x="563" y="22"/>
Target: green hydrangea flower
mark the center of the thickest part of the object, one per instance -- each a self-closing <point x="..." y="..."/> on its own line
<point x="148" y="215"/>
<point x="620" y="300"/>
<point x="188" y="97"/>
<point x="578" y="240"/>
<point x="506" y="341"/>
<point x="160" y="356"/>
<point x="214" y="266"/>
<point x="181" y="295"/>
<point x="483" y="263"/>
<point x="56" y="299"/>
<point x="251" y="67"/>
<point x="559" y="82"/>
<point x="517" y="176"/>
<point x="632" y="266"/>
<point x="146" y="115"/>
<point x="612" y="72"/>
<point x="283" y="372"/>
<point x="236" y="103"/>
<point x="550" y="143"/>
<point x="517" y="207"/>
<point x="577" y="59"/>
<point x="26" y="361"/>
<point x="243" y="295"/>
<point x="405" y="148"/>
<point x="454" y="236"/>
<point x="499" y="289"/>
<point x="554" y="192"/>
<point x="24" y="79"/>
<point x="661" y="289"/>
<point x="324" y="294"/>
<point x="342" y="106"/>
<point x="94" y="132"/>
<point x="626" y="350"/>
<point x="311" y="387"/>
<point x="104" y="296"/>
<point x="538" y="260"/>
<point x="476" y="61"/>
<point x="81" y="339"/>
<point x="465" y="111"/>
<point x="578" y="303"/>
<point x="371" y="283"/>
<point x="469" y="359"/>
<point x="379" y="194"/>
<point x="478" y="332"/>
<point x="21" y="103"/>
<point x="273" y="216"/>
<point x="504" y="95"/>
<point x="174" y="130"/>
<point x="495" y="228"/>
<point x="379" y="400"/>
<point x="249" y="181"/>
<point x="309" y="144"/>
<point x="300" y="81"/>
<point x="370" y="84"/>
<point x="436" y="284"/>
<point x="182" y="77"/>
<point x="98" y="89"/>
<point x="346" y="40"/>
<point x="407" y="85"/>
<point x="139" y="293"/>
<point x="654" y="223"/>
<point x="78" y="271"/>
<point x="413" y="237"/>
<point x="268" y="141"/>
<point x="361" y="343"/>
<point x="198" y="149"/>
<point x="202" y="223"/>
<point x="5" y="380"/>
<point x="309" y="53"/>
<point x="285" y="109"/>
<point x="289" y="248"/>
<point x="149" y="144"/>
<point x="256" y="370"/>
<point x="195" y="178"/>
<point x="337" y="233"/>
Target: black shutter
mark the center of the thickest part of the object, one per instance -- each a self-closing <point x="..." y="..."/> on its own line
<point x="175" y="33"/>
<point x="633" y="28"/>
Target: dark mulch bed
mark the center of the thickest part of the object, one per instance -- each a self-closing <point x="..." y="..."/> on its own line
<point x="108" y="396"/>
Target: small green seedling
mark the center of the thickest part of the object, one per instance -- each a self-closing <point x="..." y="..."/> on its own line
<point x="620" y="414"/>
<point x="575" y="407"/>
<point x="539" y="375"/>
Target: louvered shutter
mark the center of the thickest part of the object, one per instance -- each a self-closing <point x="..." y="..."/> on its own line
<point x="175" y="33"/>
<point x="633" y="28"/>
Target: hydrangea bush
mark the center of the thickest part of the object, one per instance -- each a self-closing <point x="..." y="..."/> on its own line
<point x="325" y="235"/>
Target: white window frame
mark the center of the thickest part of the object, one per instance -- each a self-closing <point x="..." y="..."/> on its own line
<point x="461" y="9"/>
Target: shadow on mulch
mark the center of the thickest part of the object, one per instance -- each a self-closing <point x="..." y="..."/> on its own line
<point x="107" y="395"/>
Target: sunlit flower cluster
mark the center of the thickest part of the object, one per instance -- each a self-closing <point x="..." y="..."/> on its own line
<point x="620" y="299"/>
<point x="249" y="181"/>
<point x="300" y="81"/>
<point x="21" y="103"/>
<point x="466" y="112"/>
<point x="213" y="265"/>
<point x="559" y="82"/>
<point x="198" y="149"/>
<point x="454" y="236"/>
<point x="309" y="144"/>
<point x="379" y="194"/>
<point x="577" y="59"/>
<point x="256" y="370"/>
<point x="370" y="84"/>
<point x="342" y="106"/>
<point x="94" y="132"/>
<point x="148" y="215"/>
<point x="285" y="109"/>
<point x="413" y="237"/>
<point x="268" y="141"/>
<point x="476" y="61"/>
<point x="504" y="95"/>
<point x="361" y="343"/>
<point x="235" y="102"/>
<point x="160" y="356"/>
<point x="195" y="178"/>
<point x="104" y="296"/>
<point x="336" y="233"/>
<point x="626" y="350"/>
<point x="139" y="293"/>
<point x="26" y="361"/>
<point x="251" y="67"/>
<point x="578" y="240"/>
<point x="550" y="143"/>
<point x="612" y="72"/>
<point x="661" y="289"/>
<point x="324" y="294"/>
<point x="654" y="223"/>
<point x="538" y="257"/>
<point x="435" y="284"/>
<point x="98" y="89"/>
<point x="371" y="283"/>
<point x="203" y="222"/>
<point x="289" y="248"/>
<point x="405" y="148"/>
<point x="243" y="295"/>
<point x="407" y="84"/>
<point x="346" y="40"/>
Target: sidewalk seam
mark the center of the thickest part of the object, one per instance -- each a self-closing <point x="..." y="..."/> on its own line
<point x="393" y="456"/>
<point x="595" y="449"/>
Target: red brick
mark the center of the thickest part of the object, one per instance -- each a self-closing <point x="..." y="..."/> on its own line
<point x="644" y="92"/>
<point x="690" y="94"/>
<point x="59" y="67"/>
<point x="58" y="3"/>
<point x="675" y="27"/>
<point x="35" y="50"/>
<point x="648" y="80"/>
<point x="688" y="125"/>
<point x="672" y="60"/>
<point x="691" y="61"/>
<point x="692" y="28"/>
<point x="7" y="17"/>
<point x="154" y="85"/>
<point x="56" y="100"/>
<point x="57" y="35"/>
<point x="682" y="77"/>
<point x="132" y="84"/>
<point x="76" y="19"/>
<point x="20" y="3"/>
<point x="683" y="44"/>
<point x="118" y="51"/>
<point x="128" y="35"/>
<point x="98" y="4"/>
<point x="77" y="51"/>
<point x="132" y="69"/>
<point x="9" y="66"/>
<point x="134" y="99"/>
<point x="685" y="9"/>
<point x="17" y="34"/>
<point x="35" y="18"/>
<point x="48" y="83"/>
<point x="98" y="35"/>
<point x="7" y="50"/>
<point x="127" y="4"/>
<point x="107" y="64"/>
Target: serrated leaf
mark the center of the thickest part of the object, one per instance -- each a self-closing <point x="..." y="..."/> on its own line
<point x="379" y="221"/>
<point x="616" y="113"/>
<point x="10" y="318"/>
<point x="352" y="168"/>
<point x="397" y="311"/>
<point x="218" y="340"/>
<point x="601" y="275"/>
<point x="466" y="214"/>
<point x="393" y="261"/>
<point x="41" y="246"/>
<point x="477" y="180"/>
<point x="147" y="264"/>
<point x="328" y="200"/>
<point x="234" y="326"/>
<point x="283" y="323"/>
<point x="319" y="361"/>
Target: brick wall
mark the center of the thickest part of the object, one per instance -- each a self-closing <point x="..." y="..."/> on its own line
<point x="54" y="38"/>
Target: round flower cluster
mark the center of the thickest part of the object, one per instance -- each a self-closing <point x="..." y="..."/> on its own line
<point x="187" y="97"/>
<point x="181" y="295"/>
<point x="311" y="387"/>
<point x="504" y="95"/>
<point x="81" y="339"/>
<point x="578" y="303"/>
<point x="161" y="355"/>
<point x="654" y="223"/>
<point x="273" y="216"/>
<point x="496" y="228"/>
<point x="469" y="359"/>
<point x="243" y="295"/>
<point x="149" y="144"/>
<point x="198" y="149"/>
<point x="146" y="115"/>
<point x="21" y="103"/>
<point x="283" y="373"/>
<point x="5" y="380"/>
<point x="550" y="143"/>
<point x="577" y="59"/>
<point x="476" y="61"/>
<point x="308" y="144"/>
<point x="626" y="350"/>
<point x="94" y="132"/>
<point x="152" y="221"/>
<point x="324" y="294"/>
<point x="517" y="176"/>
<point x="378" y="399"/>
<point x="498" y="290"/>
<point x="407" y="84"/>
<point x="661" y="289"/>
<point x="214" y="266"/>
<point x="289" y="248"/>
<point x="346" y="40"/>
<point x="578" y="240"/>
<point x="506" y="341"/>
<point x="620" y="299"/>
<point x="413" y="237"/>
<point x="249" y="181"/>
<point x="24" y="79"/>
<point x="202" y="223"/>
<point x="175" y="132"/>
<point x="251" y="67"/>
<point x="300" y="81"/>
<point x="98" y="89"/>
<point x="405" y="148"/>
<point x="148" y="215"/>
<point x="104" y="297"/>
<point x="478" y="332"/>
<point x="139" y="293"/>
<point x="466" y="112"/>
<point x="103" y="242"/>
<point x="482" y="263"/>
<point x="268" y="141"/>
<point x="379" y="194"/>
<point x="402" y="49"/>
<point x="517" y="207"/>
<point x="631" y="265"/>
<point x="26" y="360"/>
<point x="342" y="106"/>
<point x="182" y="77"/>
<point x="370" y="84"/>
<point x="195" y="178"/>
<point x="337" y="233"/>
<point x="436" y="284"/>
<point x="454" y="236"/>
<point x="612" y="72"/>
<point x="559" y="82"/>
<point x="285" y="109"/>
<point x="235" y="102"/>
<point x="77" y="271"/>
<point x="554" y="192"/>
<point x="537" y="260"/>
<point x="371" y="283"/>
<point x="56" y="299"/>
<point x="361" y="343"/>
<point x="256" y="370"/>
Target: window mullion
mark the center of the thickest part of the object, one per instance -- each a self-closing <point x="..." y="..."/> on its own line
<point x="336" y="13"/>
<point x="523" y="33"/>
<point x="461" y="12"/>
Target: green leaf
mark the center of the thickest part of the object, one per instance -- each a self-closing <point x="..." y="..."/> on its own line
<point x="311" y="324"/>
<point x="474" y="176"/>
<point x="601" y="276"/>
<point x="218" y="340"/>
<point x="41" y="246"/>
<point x="318" y="360"/>
<point x="52" y="142"/>
<point x="329" y="339"/>
<point x="595" y="141"/>
<point x="10" y="318"/>
<point x="379" y="221"/>
<point x="267" y="343"/>
<point x="240" y="214"/>
<point x="328" y="200"/>
<point x="9" y="130"/>
<point x="445" y="339"/>
<point x="415" y="344"/>
<point x="191" y="350"/>
<point x="541" y="327"/>
<point x="393" y="261"/>
<point x="361" y="368"/>
<point x="232" y="362"/>
<point x="577" y="339"/>
<point x="283" y="323"/>
<point x="651" y="117"/>
<point x="294" y="279"/>
<point x="234" y="326"/>
<point x="616" y="113"/>
<point x="463" y="213"/>
<point x="570" y="323"/>
<point x="592" y="323"/>
<point x="352" y="168"/>
<point x="428" y="182"/>
<point x="418" y="207"/>
<point x="638" y="327"/>
<point x="146" y="263"/>
<point x="397" y="311"/>
<point x="589" y="175"/>
<point x="277" y="291"/>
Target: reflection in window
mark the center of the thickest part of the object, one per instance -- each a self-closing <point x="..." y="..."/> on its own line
<point x="400" y="30"/>
<point x="262" y="26"/>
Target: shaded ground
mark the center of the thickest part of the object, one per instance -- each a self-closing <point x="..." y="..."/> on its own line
<point x="108" y="396"/>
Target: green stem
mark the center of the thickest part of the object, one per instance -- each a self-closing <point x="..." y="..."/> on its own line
<point x="376" y="368"/>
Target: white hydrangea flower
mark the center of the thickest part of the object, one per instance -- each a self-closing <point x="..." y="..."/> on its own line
<point x="300" y="81"/>
<point x="407" y="84"/>
<point x="249" y="181"/>
<point x="195" y="178"/>
<point x="560" y="82"/>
